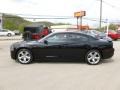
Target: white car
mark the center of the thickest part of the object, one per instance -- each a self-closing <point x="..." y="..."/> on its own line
<point x="6" y="33"/>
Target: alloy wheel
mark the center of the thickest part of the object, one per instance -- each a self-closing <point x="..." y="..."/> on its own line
<point x="24" y="56"/>
<point x="93" y="57"/>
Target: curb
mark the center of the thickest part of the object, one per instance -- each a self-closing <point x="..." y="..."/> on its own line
<point x="9" y="39"/>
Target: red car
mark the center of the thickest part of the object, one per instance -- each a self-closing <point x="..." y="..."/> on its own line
<point x="35" y="32"/>
<point x="114" y="35"/>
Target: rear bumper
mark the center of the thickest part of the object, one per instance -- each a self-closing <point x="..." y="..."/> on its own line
<point x="107" y="53"/>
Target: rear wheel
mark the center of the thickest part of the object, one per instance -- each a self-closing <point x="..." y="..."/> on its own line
<point x="93" y="57"/>
<point x="24" y="56"/>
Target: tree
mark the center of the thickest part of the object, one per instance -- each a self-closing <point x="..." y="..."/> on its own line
<point x="13" y="22"/>
<point x="112" y="26"/>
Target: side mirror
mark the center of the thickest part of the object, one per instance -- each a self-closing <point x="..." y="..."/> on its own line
<point x="45" y="42"/>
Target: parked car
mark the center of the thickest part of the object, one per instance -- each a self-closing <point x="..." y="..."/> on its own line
<point x="35" y="32"/>
<point x="6" y="32"/>
<point x="96" y="34"/>
<point x="63" y="45"/>
<point x="113" y="34"/>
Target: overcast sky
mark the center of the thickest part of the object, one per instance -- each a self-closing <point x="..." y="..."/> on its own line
<point x="111" y="9"/>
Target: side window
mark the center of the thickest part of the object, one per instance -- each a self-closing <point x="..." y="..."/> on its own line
<point x="77" y="37"/>
<point x="83" y="38"/>
<point x="4" y="31"/>
<point x="57" y="38"/>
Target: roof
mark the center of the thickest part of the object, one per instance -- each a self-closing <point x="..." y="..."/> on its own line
<point x="35" y="25"/>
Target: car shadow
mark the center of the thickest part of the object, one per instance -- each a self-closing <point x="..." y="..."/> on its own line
<point x="107" y="61"/>
<point x="62" y="61"/>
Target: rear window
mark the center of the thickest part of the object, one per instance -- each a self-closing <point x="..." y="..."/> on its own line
<point x="33" y="29"/>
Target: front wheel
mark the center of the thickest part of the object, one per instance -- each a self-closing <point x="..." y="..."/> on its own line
<point x="24" y="56"/>
<point x="93" y="57"/>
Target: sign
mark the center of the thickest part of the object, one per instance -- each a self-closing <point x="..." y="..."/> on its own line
<point x="79" y="14"/>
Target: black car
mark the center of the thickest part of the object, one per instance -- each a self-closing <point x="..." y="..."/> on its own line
<point x="65" y="45"/>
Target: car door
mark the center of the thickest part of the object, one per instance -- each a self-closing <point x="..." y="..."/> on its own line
<point x="2" y="32"/>
<point x="76" y="45"/>
<point x="51" y="47"/>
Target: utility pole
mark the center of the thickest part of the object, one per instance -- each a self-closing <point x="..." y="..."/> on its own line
<point x="107" y="27"/>
<point x="101" y="1"/>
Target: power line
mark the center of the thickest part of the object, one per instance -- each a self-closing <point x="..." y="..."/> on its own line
<point x="35" y="15"/>
<point x="54" y="17"/>
<point x="39" y="17"/>
<point x="85" y="18"/>
<point x="69" y="17"/>
<point x="111" y="5"/>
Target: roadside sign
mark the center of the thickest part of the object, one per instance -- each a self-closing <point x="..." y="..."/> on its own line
<point x="79" y="14"/>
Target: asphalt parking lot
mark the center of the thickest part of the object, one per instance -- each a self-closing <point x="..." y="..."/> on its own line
<point x="58" y="75"/>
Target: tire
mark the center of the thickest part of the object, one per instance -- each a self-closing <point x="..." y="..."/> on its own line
<point x="43" y="36"/>
<point x="93" y="57"/>
<point x="9" y="34"/>
<point x="115" y="39"/>
<point x="24" y="56"/>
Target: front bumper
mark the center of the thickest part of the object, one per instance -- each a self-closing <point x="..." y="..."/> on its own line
<point x="12" y="52"/>
<point x="12" y="55"/>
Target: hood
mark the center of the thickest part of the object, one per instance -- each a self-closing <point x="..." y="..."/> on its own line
<point x="24" y="43"/>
